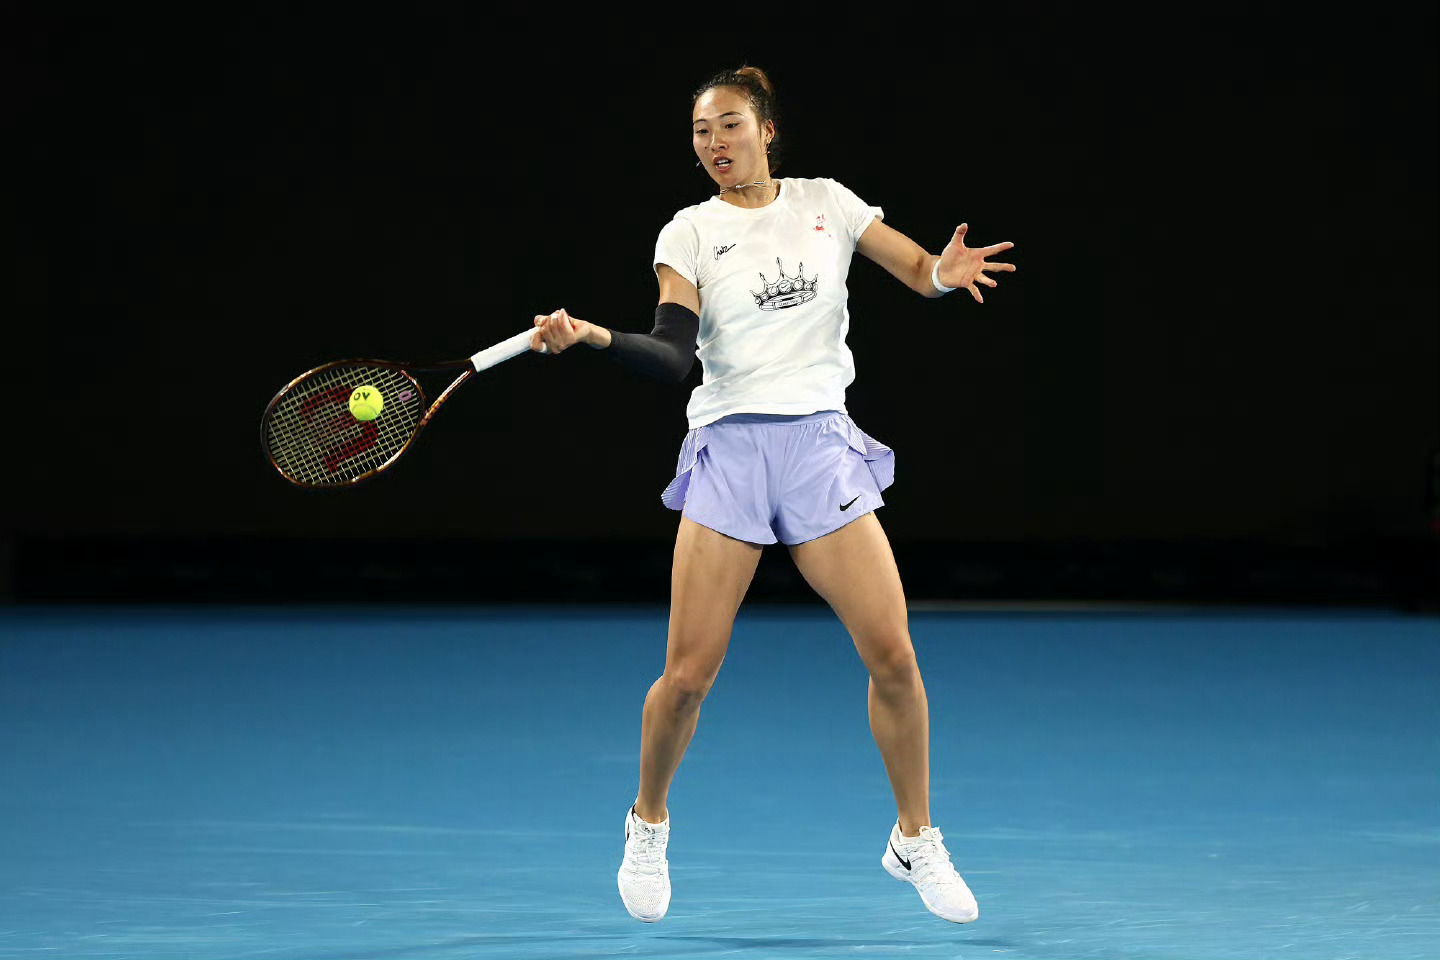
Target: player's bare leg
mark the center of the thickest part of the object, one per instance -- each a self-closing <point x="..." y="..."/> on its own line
<point x="854" y="570"/>
<point x="709" y="578"/>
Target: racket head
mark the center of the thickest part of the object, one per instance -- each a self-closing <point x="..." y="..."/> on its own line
<point x="312" y="439"/>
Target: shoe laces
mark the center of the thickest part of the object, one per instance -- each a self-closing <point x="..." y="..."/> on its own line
<point x="930" y="861"/>
<point x="647" y="847"/>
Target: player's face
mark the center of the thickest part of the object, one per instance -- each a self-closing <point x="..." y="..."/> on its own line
<point x="729" y="139"/>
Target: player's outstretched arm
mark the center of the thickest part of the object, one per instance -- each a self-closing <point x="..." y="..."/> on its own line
<point x="957" y="266"/>
<point x="667" y="352"/>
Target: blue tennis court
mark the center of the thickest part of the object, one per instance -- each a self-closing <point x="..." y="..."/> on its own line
<point x="428" y="784"/>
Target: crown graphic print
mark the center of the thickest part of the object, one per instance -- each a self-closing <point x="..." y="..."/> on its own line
<point x="785" y="291"/>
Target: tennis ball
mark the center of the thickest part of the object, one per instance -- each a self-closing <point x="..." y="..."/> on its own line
<point x="366" y="402"/>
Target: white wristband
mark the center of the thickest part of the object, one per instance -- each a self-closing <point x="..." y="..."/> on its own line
<point x="935" y="278"/>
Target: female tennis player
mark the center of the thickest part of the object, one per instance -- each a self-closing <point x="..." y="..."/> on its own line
<point x="754" y="278"/>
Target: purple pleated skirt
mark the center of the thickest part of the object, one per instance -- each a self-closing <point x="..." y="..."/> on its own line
<point x="765" y="478"/>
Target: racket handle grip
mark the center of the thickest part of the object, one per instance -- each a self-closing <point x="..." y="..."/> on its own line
<point x="504" y="350"/>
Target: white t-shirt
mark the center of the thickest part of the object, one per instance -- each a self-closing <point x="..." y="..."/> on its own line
<point x="774" y="308"/>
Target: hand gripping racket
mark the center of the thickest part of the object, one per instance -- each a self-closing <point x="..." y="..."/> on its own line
<point x="313" y="439"/>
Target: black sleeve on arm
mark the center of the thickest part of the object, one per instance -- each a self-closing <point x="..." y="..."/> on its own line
<point x="666" y="352"/>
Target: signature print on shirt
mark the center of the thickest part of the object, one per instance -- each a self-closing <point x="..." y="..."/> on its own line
<point x="785" y="291"/>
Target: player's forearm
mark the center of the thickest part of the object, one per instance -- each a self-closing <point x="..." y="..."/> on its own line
<point x="666" y="353"/>
<point x="924" y="283"/>
<point x="913" y="269"/>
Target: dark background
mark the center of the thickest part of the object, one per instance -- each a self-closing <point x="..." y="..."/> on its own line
<point x="1214" y="377"/>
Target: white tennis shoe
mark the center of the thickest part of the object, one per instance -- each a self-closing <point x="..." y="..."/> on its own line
<point x="645" y="873"/>
<point x="925" y="862"/>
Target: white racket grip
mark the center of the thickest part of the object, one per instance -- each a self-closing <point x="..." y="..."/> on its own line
<point x="504" y="350"/>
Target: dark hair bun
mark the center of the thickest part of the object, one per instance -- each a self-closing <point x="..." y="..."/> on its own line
<point x="759" y="76"/>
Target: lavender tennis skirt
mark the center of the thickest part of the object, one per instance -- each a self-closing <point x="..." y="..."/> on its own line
<point x="764" y="477"/>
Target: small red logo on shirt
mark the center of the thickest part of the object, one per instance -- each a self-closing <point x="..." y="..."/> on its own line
<point x="820" y="223"/>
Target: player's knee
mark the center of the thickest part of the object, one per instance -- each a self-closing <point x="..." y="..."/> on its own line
<point x="891" y="659"/>
<point x="690" y="683"/>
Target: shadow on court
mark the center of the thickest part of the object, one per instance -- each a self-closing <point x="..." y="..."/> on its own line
<point x="954" y="937"/>
<point x="555" y="944"/>
<point x="592" y="946"/>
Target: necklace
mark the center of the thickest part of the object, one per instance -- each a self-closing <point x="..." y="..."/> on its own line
<point x="742" y="186"/>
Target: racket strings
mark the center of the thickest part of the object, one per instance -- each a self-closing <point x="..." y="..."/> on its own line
<point x="315" y="440"/>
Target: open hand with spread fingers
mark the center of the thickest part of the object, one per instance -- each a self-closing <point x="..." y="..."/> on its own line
<point x="962" y="266"/>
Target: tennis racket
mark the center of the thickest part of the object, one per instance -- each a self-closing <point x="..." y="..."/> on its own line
<point x="314" y="440"/>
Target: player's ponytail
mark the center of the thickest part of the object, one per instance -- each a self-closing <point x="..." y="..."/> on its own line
<point x="759" y="89"/>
